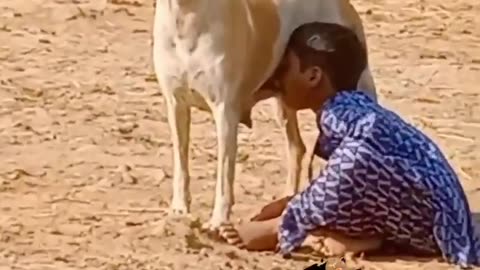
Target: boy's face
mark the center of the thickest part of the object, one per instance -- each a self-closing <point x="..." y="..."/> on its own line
<point x="300" y="89"/>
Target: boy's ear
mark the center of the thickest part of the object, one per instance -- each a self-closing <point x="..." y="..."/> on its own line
<point x="313" y="75"/>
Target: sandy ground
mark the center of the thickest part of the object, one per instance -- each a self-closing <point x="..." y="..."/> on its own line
<point x="85" y="150"/>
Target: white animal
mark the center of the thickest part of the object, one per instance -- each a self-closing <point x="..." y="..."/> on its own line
<point x="214" y="54"/>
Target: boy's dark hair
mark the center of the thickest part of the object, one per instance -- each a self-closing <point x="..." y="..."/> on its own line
<point x="332" y="47"/>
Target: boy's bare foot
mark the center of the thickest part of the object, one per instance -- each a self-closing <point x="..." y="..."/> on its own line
<point x="253" y="236"/>
<point x="228" y="232"/>
<point x="316" y="245"/>
<point x="335" y="244"/>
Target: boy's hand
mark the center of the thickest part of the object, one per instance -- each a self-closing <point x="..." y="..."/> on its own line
<point x="272" y="210"/>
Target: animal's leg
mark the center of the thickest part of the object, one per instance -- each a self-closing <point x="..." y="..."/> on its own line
<point x="366" y="83"/>
<point x="287" y="119"/>
<point x="179" y="121"/>
<point x="226" y="120"/>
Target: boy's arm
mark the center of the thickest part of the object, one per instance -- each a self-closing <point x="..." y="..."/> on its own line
<point x="344" y="125"/>
<point x="332" y="128"/>
<point x="272" y="210"/>
<point x="319" y="204"/>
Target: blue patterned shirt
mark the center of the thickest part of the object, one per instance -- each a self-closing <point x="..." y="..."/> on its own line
<point x="383" y="178"/>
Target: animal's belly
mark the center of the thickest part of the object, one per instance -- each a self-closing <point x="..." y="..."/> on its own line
<point x="184" y="74"/>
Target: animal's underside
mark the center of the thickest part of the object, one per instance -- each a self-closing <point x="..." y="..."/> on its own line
<point x="214" y="54"/>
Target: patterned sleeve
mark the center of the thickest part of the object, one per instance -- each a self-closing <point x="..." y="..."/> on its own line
<point x="319" y="204"/>
<point x="327" y="140"/>
<point x="334" y="125"/>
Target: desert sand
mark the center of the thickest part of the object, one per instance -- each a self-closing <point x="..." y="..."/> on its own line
<point x="85" y="172"/>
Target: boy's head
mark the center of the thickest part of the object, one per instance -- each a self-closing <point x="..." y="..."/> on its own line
<point x="320" y="59"/>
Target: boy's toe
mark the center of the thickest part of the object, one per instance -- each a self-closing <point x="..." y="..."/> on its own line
<point x="230" y="235"/>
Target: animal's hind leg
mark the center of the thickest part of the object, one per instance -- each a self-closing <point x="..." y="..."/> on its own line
<point x="179" y="122"/>
<point x="366" y="83"/>
<point x="287" y="119"/>
<point x="226" y="120"/>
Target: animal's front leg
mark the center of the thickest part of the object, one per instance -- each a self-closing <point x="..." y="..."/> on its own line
<point x="287" y="119"/>
<point x="179" y="121"/>
<point x="226" y="120"/>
